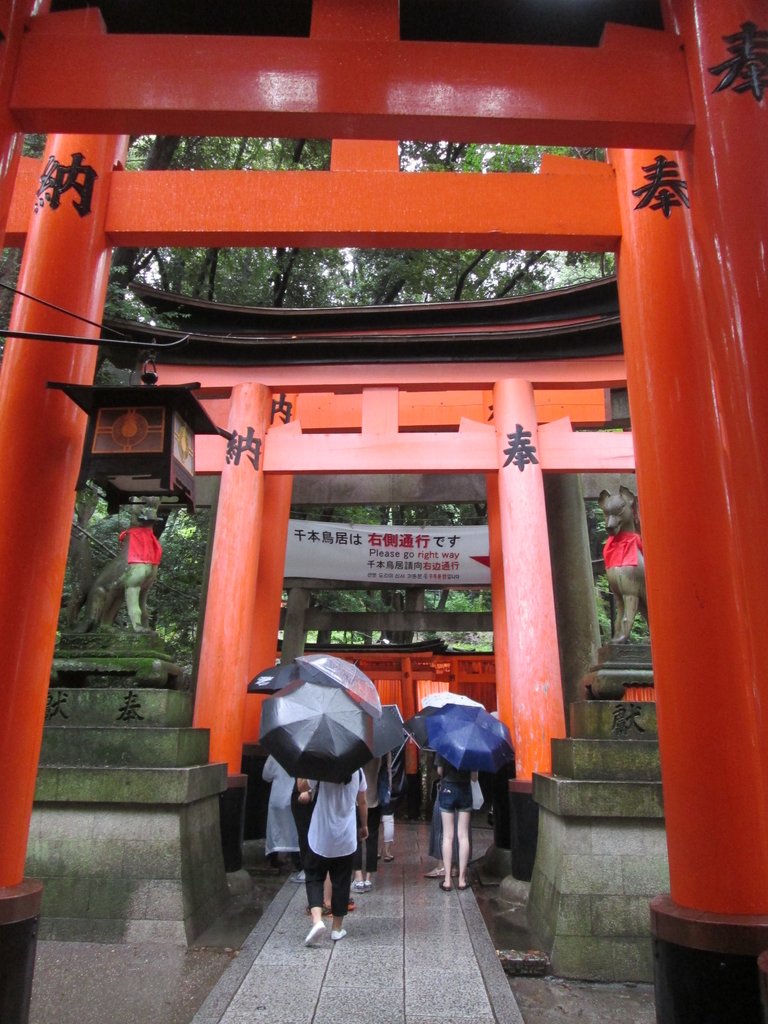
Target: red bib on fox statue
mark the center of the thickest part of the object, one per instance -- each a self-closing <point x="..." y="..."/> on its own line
<point x="623" y="549"/>
<point x="143" y="545"/>
<point x="624" y="562"/>
<point x="127" y="578"/>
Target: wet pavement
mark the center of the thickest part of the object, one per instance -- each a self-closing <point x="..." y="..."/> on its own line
<point x="86" y="983"/>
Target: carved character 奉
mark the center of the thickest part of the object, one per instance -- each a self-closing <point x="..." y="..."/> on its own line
<point x="624" y="561"/>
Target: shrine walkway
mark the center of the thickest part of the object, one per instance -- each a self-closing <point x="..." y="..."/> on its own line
<point x="413" y="955"/>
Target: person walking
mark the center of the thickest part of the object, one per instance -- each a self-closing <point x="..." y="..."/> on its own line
<point x="339" y="822"/>
<point x="367" y="853"/>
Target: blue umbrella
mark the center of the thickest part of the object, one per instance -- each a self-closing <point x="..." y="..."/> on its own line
<point x="469" y="738"/>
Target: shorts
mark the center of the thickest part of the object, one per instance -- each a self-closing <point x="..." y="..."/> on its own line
<point x="455" y="796"/>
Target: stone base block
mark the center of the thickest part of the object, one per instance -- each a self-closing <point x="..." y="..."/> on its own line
<point x="592" y="884"/>
<point x="130" y="871"/>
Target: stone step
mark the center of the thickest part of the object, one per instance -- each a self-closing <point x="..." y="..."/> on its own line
<point x="622" y="760"/>
<point x="128" y="706"/>
<point x="85" y="785"/>
<point x="598" y="798"/>
<point x="614" y="719"/>
<point x="124" y="746"/>
<point x="611" y="683"/>
<point x="109" y="670"/>
<point x="634" y="655"/>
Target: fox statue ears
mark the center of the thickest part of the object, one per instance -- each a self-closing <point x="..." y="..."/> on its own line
<point x="629" y="498"/>
<point x="625" y="493"/>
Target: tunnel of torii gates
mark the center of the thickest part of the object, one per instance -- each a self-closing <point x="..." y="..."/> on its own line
<point x="682" y="112"/>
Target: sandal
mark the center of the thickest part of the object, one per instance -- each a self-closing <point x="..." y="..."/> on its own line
<point x="388" y="857"/>
<point x="462" y="888"/>
<point x="446" y="888"/>
<point x="435" y="873"/>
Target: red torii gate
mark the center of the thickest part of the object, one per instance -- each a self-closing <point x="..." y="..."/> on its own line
<point x="692" y="292"/>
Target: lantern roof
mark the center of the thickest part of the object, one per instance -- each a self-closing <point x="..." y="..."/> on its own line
<point x="179" y="396"/>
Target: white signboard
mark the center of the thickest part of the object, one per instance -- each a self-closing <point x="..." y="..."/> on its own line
<point x="432" y="556"/>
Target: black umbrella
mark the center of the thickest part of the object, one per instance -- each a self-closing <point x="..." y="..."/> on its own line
<point x="316" y="731"/>
<point x="274" y="678"/>
<point x="324" y="669"/>
<point x="388" y="732"/>
<point x="416" y="726"/>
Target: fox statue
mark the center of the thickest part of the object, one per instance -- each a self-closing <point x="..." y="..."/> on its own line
<point x="624" y="562"/>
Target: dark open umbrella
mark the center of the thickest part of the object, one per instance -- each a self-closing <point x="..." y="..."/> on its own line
<point x="274" y="678"/>
<point x="324" y="669"/>
<point x="388" y="732"/>
<point x="469" y="738"/>
<point x="316" y="731"/>
<point x="416" y="726"/>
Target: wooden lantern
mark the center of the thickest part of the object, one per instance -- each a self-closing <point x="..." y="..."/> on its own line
<point x="140" y="440"/>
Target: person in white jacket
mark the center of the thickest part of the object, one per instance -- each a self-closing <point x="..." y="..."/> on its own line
<point x="282" y="836"/>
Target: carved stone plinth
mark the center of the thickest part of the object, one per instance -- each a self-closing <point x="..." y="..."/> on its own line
<point x="601" y="854"/>
<point x="619" y="667"/>
<point x="125" y="832"/>
<point x="112" y="656"/>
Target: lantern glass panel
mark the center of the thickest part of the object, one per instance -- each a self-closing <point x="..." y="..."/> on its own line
<point x="129" y="430"/>
<point x="183" y="444"/>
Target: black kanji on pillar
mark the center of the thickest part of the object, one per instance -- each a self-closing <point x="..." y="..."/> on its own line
<point x="244" y="444"/>
<point x="520" y="450"/>
<point x="746" y="70"/>
<point x="665" y="188"/>
<point x="58" y="178"/>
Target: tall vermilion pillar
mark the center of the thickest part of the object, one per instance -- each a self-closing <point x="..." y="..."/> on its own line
<point x="225" y="654"/>
<point x="531" y="629"/>
<point x="504" y="700"/>
<point x="693" y="292"/>
<point x="66" y="264"/>
<point x="224" y="664"/>
<point x="269" y="588"/>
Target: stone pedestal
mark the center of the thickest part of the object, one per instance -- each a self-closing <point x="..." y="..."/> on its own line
<point x="601" y="854"/>
<point x="125" y="832"/>
<point x="619" y="668"/>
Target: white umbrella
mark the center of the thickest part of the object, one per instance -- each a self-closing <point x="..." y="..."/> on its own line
<point x="338" y="672"/>
<point x="439" y="700"/>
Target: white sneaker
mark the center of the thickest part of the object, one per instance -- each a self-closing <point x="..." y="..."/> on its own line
<point x="367" y="886"/>
<point x="339" y="934"/>
<point x="360" y="886"/>
<point x="298" y="877"/>
<point x="317" y="931"/>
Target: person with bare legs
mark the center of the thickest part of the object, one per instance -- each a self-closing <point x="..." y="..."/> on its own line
<point x="455" y="799"/>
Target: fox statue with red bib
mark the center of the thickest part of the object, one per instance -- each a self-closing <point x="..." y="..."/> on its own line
<point x="624" y="562"/>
